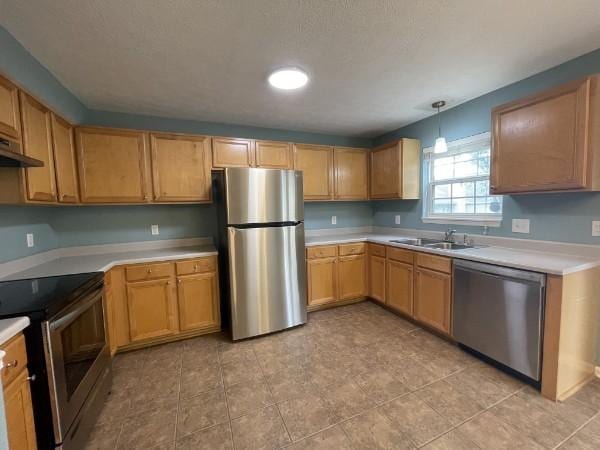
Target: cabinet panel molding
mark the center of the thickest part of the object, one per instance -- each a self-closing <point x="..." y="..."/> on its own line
<point x="316" y="164"/>
<point x="64" y="160"/>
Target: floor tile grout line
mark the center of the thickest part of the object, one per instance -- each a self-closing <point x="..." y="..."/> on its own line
<point x="581" y="427"/>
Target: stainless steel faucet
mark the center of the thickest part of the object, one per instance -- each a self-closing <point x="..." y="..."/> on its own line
<point x="449" y="235"/>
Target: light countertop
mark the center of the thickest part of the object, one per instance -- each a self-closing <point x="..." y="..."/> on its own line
<point x="11" y="327"/>
<point x="103" y="262"/>
<point x="538" y="261"/>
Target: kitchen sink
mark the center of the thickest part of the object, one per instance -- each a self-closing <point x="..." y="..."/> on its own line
<point x="433" y="243"/>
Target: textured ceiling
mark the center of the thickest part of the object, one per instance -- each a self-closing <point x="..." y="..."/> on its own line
<point x="375" y="65"/>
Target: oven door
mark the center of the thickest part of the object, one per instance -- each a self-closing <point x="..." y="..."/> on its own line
<point x="76" y="354"/>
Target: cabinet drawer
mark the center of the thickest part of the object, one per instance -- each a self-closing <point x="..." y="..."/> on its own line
<point x="148" y="271"/>
<point x="398" y="254"/>
<point x="15" y="359"/>
<point x="358" y="248"/>
<point x="377" y="250"/>
<point x="323" y="251"/>
<point x="439" y="263"/>
<point x="202" y="265"/>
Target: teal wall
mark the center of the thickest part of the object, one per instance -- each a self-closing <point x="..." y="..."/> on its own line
<point x="554" y="217"/>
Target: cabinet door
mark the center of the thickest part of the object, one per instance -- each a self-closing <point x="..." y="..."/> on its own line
<point x="352" y="276"/>
<point x="316" y="164"/>
<point x="274" y="155"/>
<point x="198" y="301"/>
<point x="37" y="143"/>
<point x="377" y="278"/>
<point x="64" y="160"/>
<point x="433" y="298"/>
<point x="399" y="294"/>
<point x="152" y="309"/>
<point x="232" y="152"/>
<point x="540" y="143"/>
<point x="19" y="414"/>
<point x="322" y="281"/>
<point x="112" y="165"/>
<point x="10" y="124"/>
<point x="385" y="172"/>
<point x="351" y="174"/>
<point x="181" y="168"/>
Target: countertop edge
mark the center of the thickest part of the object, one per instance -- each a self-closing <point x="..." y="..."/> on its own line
<point x="126" y="261"/>
<point x="9" y="328"/>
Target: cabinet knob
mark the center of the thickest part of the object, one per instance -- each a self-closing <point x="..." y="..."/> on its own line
<point x="13" y="364"/>
<point x="31" y="377"/>
<point x="149" y="270"/>
<point x="195" y="267"/>
<point x="179" y="281"/>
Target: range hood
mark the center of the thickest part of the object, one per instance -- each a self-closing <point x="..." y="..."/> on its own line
<point x="10" y="156"/>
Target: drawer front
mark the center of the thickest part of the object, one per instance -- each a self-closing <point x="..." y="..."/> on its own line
<point x="148" y="271"/>
<point x="202" y="265"/>
<point x="377" y="250"/>
<point x="357" y="248"/>
<point x="399" y="254"/>
<point x="15" y="359"/>
<point x="433" y="262"/>
<point x="322" y="251"/>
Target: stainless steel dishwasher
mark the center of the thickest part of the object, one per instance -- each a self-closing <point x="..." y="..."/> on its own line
<point x="499" y="312"/>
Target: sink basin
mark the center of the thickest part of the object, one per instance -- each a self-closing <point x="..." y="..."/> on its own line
<point x="448" y="246"/>
<point x="416" y="241"/>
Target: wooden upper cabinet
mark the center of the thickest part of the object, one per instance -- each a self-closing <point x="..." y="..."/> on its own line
<point x="40" y="182"/>
<point x="351" y="174"/>
<point x="549" y="141"/>
<point x="113" y="165"/>
<point x="181" y="168"/>
<point x="396" y="170"/>
<point x="274" y="155"/>
<point x="232" y="152"/>
<point x="64" y="160"/>
<point x="316" y="164"/>
<point x="10" y="124"/>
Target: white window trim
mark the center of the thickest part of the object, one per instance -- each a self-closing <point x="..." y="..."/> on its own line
<point x="487" y="220"/>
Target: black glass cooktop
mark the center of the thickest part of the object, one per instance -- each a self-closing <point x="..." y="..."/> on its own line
<point x="41" y="298"/>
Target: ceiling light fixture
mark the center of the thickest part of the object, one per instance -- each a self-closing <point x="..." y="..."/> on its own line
<point x="288" y="78"/>
<point x="440" y="143"/>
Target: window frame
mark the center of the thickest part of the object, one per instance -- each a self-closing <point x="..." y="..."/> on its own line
<point x="466" y="145"/>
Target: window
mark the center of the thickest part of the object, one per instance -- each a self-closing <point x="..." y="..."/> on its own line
<point x="458" y="184"/>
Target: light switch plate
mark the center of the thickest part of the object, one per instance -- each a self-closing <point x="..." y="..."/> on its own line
<point x="333" y="220"/>
<point x="596" y="228"/>
<point x="520" y="225"/>
<point x="30" y="240"/>
<point x="397" y="219"/>
<point x="154" y="230"/>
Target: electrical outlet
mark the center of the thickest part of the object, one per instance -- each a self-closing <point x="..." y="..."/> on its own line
<point x="154" y="230"/>
<point x="397" y="219"/>
<point x="595" y="227"/>
<point x="30" y="241"/>
<point x="333" y="220"/>
<point x="520" y="225"/>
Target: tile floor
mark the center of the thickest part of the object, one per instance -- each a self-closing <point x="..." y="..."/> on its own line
<point x="355" y="377"/>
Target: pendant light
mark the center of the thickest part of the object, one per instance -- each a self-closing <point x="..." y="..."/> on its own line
<point x="440" y="143"/>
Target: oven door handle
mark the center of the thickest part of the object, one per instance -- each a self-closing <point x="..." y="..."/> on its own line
<point x="70" y="316"/>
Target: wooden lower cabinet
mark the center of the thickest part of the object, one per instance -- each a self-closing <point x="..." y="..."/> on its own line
<point x="322" y="281"/>
<point x="198" y="301"/>
<point x="433" y="298"/>
<point x="352" y="277"/>
<point x="152" y="309"/>
<point x="161" y="301"/>
<point x="377" y="278"/>
<point x="17" y="396"/>
<point x="399" y="292"/>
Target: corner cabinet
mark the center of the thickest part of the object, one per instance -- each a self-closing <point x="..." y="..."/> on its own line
<point x="113" y="165"/>
<point x="316" y="164"/>
<point x="181" y="167"/>
<point x="557" y="132"/>
<point x="162" y="301"/>
<point x="396" y="170"/>
<point x="377" y="276"/>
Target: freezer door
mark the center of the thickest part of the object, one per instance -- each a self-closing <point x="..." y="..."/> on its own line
<point x="263" y="196"/>
<point x="267" y="279"/>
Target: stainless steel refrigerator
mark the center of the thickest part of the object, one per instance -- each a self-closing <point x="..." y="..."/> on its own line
<point x="261" y="243"/>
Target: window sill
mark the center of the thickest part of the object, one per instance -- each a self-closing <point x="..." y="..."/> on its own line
<point x="469" y="221"/>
